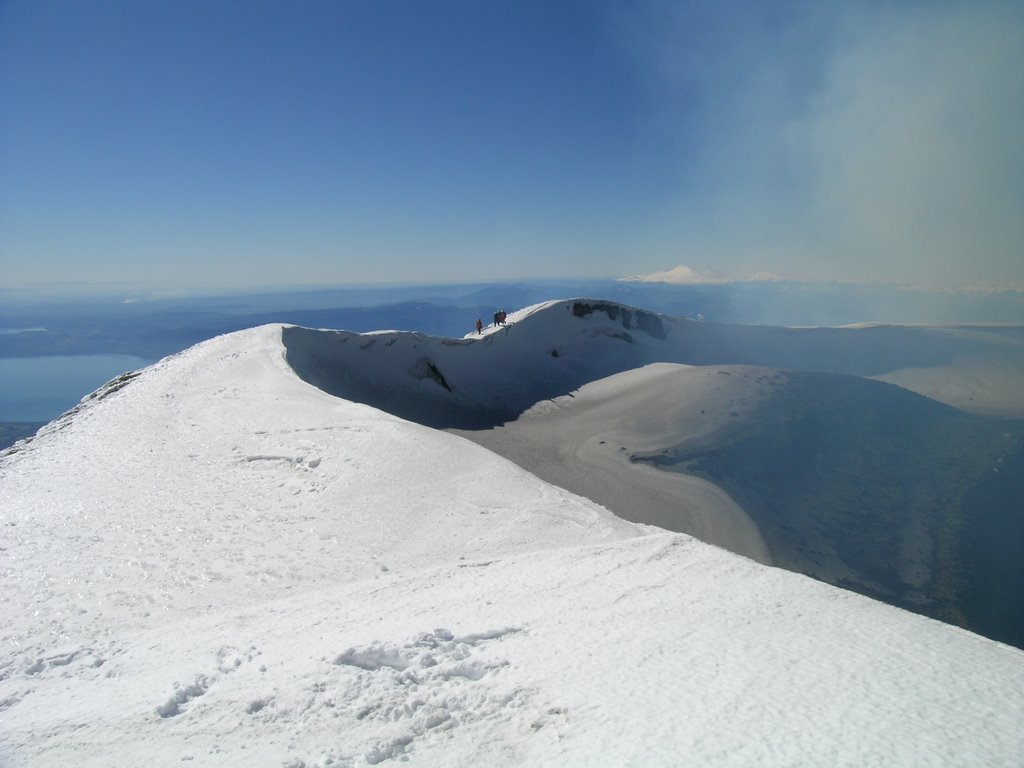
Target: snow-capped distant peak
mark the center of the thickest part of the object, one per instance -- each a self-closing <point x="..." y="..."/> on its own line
<point x="683" y="275"/>
<point x="680" y="275"/>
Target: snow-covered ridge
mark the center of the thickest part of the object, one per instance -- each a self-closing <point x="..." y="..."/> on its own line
<point x="540" y="352"/>
<point x="554" y="348"/>
<point x="215" y="563"/>
<point x="216" y="477"/>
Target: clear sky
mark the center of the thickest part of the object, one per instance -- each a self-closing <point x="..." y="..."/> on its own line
<point x="182" y="143"/>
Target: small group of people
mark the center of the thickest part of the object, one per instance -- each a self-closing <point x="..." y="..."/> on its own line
<point x="499" y="319"/>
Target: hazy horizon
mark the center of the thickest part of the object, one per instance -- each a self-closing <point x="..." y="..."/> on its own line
<point x="142" y="291"/>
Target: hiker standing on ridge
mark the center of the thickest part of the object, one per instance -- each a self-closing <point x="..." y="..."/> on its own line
<point x="497" y="318"/>
<point x="479" y="326"/>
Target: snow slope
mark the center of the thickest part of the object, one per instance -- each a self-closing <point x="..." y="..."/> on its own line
<point x="857" y="483"/>
<point x="587" y="442"/>
<point x="215" y="563"/>
<point x="144" y="503"/>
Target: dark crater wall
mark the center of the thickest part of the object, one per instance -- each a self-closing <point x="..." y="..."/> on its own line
<point x="873" y="488"/>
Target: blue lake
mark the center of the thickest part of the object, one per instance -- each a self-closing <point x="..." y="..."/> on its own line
<point x="42" y="388"/>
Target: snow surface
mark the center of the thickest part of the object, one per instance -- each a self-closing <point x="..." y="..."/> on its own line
<point x="216" y="563"/>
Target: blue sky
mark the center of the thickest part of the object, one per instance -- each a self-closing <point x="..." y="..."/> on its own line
<point x="224" y="144"/>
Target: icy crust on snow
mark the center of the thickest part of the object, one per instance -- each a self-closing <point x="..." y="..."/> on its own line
<point x="654" y="651"/>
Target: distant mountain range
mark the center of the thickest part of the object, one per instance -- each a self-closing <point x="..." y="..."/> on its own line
<point x="153" y="328"/>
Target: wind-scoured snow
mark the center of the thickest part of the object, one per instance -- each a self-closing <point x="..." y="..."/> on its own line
<point x="216" y="563"/>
